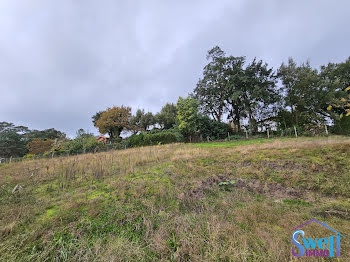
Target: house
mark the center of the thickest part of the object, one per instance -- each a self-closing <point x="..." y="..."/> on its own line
<point x="102" y="139"/>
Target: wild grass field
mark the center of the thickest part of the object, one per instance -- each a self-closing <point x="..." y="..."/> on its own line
<point x="233" y="201"/>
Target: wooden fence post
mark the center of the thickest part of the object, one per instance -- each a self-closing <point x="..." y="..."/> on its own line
<point x="295" y="131"/>
<point x="268" y="133"/>
<point x="325" y="126"/>
<point x="246" y="134"/>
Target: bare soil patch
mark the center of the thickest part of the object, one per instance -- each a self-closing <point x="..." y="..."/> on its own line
<point x="281" y="165"/>
<point x="273" y="190"/>
<point x="335" y="212"/>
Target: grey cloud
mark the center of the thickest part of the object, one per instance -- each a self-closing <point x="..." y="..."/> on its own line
<point x="61" y="61"/>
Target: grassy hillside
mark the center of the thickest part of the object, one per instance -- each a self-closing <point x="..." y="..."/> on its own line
<point x="234" y="201"/>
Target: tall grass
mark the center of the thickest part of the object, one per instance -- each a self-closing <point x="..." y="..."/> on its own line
<point x="165" y="203"/>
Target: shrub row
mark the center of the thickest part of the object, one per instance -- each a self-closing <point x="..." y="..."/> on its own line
<point x="155" y="137"/>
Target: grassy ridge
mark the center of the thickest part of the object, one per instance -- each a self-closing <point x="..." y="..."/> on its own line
<point x="175" y="202"/>
<point x="233" y="143"/>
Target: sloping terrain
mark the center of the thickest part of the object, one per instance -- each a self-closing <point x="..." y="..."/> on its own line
<point x="234" y="201"/>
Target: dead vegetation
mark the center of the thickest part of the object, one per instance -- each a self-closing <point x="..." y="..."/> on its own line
<point x="174" y="202"/>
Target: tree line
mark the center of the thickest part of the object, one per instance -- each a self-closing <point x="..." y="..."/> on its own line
<point x="292" y="95"/>
<point x="16" y="141"/>
<point x="20" y="141"/>
<point x="232" y="98"/>
<point x="238" y="96"/>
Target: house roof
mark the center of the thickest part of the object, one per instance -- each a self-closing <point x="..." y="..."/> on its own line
<point x="101" y="136"/>
<point x="322" y="224"/>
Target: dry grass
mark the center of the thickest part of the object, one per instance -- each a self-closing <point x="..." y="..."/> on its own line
<point x="166" y="203"/>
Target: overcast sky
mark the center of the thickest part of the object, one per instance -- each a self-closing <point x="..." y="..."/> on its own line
<point x="61" y="61"/>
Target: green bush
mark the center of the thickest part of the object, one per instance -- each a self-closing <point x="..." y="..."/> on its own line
<point x="48" y="154"/>
<point x="135" y="140"/>
<point x="153" y="137"/>
<point x="236" y="137"/>
<point x="306" y="133"/>
<point x="159" y="138"/>
<point x="342" y="126"/>
<point x="213" y="129"/>
<point x="29" y="156"/>
<point x="83" y="144"/>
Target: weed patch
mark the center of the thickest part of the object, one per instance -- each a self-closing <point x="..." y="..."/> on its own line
<point x="181" y="202"/>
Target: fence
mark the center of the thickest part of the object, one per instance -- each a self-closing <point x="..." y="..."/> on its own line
<point x="19" y="159"/>
<point x="268" y="133"/>
<point x="10" y="160"/>
<point x="51" y="155"/>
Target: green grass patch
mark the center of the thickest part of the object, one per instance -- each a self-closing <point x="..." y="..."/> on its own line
<point x="296" y="202"/>
<point x="96" y="194"/>
<point x="232" y="143"/>
<point x="175" y="202"/>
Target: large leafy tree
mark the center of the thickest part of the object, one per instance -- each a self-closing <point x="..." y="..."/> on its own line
<point x="12" y="144"/>
<point x="187" y="116"/>
<point x="135" y="122"/>
<point x="336" y="80"/>
<point x="39" y="146"/>
<point x="50" y="133"/>
<point x="342" y="72"/>
<point x="96" y="116"/>
<point x="211" y="128"/>
<point x="229" y="87"/>
<point x="83" y="142"/>
<point x="12" y="140"/>
<point x="141" y="120"/>
<point x="146" y="120"/>
<point x="258" y="92"/>
<point x="113" y="121"/>
<point x="5" y="126"/>
<point x="342" y="106"/>
<point x="166" y="118"/>
<point x="300" y="85"/>
<point x="211" y="89"/>
<point x="220" y="89"/>
<point x="329" y="90"/>
<point x="234" y="76"/>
